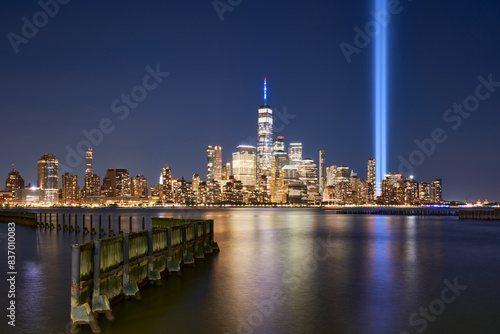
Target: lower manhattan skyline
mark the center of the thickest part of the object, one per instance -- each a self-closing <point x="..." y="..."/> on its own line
<point x="248" y="167"/>
<point x="180" y="100"/>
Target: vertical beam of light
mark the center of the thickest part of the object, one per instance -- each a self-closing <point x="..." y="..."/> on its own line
<point x="380" y="98"/>
<point x="265" y="91"/>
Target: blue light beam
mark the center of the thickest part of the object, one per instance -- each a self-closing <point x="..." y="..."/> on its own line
<point x="380" y="97"/>
<point x="265" y="91"/>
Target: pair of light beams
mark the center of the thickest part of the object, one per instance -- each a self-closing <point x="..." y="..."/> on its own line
<point x="380" y="106"/>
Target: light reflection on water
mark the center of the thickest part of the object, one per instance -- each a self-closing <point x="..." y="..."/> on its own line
<point x="380" y="270"/>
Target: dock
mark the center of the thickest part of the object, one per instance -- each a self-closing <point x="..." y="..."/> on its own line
<point x="105" y="271"/>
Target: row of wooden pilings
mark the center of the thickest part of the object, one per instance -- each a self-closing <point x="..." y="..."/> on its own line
<point x="479" y="214"/>
<point x="397" y="212"/>
<point x="106" y="270"/>
<point x="44" y="220"/>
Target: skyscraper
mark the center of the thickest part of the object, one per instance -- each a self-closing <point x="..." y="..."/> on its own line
<point x="279" y="144"/>
<point x="70" y="189"/>
<point x="370" y="181"/>
<point x="226" y="171"/>
<point x="48" y="177"/>
<point x="210" y="164"/>
<point x="295" y="153"/>
<point x="92" y="186"/>
<point x="308" y="175"/>
<point x="280" y="160"/>
<point x="218" y="163"/>
<point x="14" y="180"/>
<point x="139" y="186"/>
<point x="89" y="165"/>
<point x="244" y="165"/>
<point x="322" y="171"/>
<point x="120" y="182"/>
<point x="265" y="137"/>
<point x="436" y="190"/>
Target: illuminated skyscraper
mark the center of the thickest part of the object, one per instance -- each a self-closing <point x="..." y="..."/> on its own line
<point x="244" y="165"/>
<point x="48" y="177"/>
<point x="322" y="171"/>
<point x="92" y="185"/>
<point x="424" y="192"/>
<point x="210" y="164"/>
<point x="139" y="186"/>
<point x="280" y="160"/>
<point x="120" y="182"/>
<point x="218" y="163"/>
<point x="14" y="180"/>
<point x="436" y="190"/>
<point x="370" y="181"/>
<point x="279" y="144"/>
<point x="308" y="175"/>
<point x="70" y="189"/>
<point x="226" y="171"/>
<point x="89" y="165"/>
<point x="265" y="138"/>
<point x="295" y="153"/>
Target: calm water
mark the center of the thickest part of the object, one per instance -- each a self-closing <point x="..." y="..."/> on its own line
<point x="287" y="271"/>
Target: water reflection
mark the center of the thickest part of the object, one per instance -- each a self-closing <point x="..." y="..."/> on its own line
<point x="379" y="270"/>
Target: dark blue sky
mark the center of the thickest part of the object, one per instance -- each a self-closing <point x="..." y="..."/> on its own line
<point x="65" y="79"/>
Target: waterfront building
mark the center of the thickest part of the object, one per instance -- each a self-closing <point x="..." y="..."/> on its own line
<point x="392" y="189"/>
<point x="139" y="186"/>
<point x="92" y="185"/>
<point x="70" y="189"/>
<point x="424" y="192"/>
<point x="14" y="180"/>
<point x="370" y="181"/>
<point x="322" y="172"/>
<point x="218" y="163"/>
<point x="120" y="182"/>
<point x="210" y="164"/>
<point x="308" y="175"/>
<point x="279" y="160"/>
<point x="48" y="177"/>
<point x="436" y="190"/>
<point x="244" y="165"/>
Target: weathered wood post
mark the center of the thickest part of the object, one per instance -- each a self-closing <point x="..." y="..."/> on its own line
<point x="101" y="230"/>
<point x="143" y="224"/>
<point x="92" y="229"/>
<point x="153" y="275"/>
<point x="85" y="229"/>
<point x="45" y="220"/>
<point x="130" y="224"/>
<point x="111" y="233"/>
<point x="130" y="289"/>
<point x="100" y="303"/>
<point x="50" y="220"/>
<point x="57" y="222"/>
<point x="80" y="314"/>
<point x="77" y="228"/>
<point x="71" y="228"/>
<point x="120" y="225"/>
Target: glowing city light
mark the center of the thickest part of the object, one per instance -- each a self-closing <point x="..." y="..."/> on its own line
<point x="380" y="98"/>
<point x="265" y="91"/>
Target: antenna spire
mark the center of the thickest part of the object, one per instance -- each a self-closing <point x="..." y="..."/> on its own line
<point x="265" y="91"/>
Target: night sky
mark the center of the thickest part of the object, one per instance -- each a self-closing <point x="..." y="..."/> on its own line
<point x="65" y="79"/>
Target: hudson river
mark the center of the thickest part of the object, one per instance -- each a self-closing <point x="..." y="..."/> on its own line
<point x="284" y="271"/>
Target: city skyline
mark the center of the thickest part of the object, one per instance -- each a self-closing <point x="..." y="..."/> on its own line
<point x="66" y="80"/>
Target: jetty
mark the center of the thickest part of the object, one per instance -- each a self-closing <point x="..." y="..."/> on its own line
<point x="106" y="271"/>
